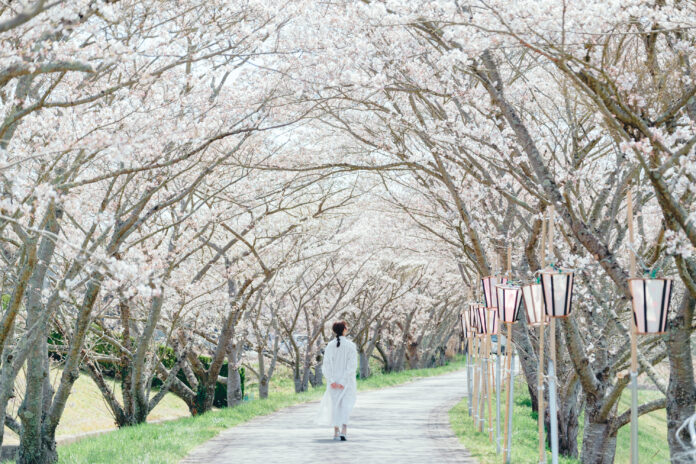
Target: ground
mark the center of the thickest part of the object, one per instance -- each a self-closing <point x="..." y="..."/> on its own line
<point x="407" y="423"/>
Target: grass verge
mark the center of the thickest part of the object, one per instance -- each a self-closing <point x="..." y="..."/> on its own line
<point x="652" y="432"/>
<point x="169" y="442"/>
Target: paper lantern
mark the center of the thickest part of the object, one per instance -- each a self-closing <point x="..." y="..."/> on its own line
<point x="473" y="317"/>
<point x="488" y="320"/>
<point x="557" y="290"/>
<point x="534" y="304"/>
<point x="509" y="298"/>
<point x="650" y="301"/>
<point x="463" y="322"/>
<point x="489" y="294"/>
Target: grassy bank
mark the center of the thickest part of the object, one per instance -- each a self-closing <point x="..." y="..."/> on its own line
<point x="86" y="411"/>
<point x="168" y="442"/>
<point x="652" y="433"/>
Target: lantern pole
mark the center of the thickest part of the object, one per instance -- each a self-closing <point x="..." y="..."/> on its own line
<point x="508" y="370"/>
<point x="468" y="355"/>
<point x="497" y="394"/>
<point x="498" y="378"/>
<point x="486" y="384"/>
<point x="482" y="379"/>
<point x="476" y="378"/>
<point x="540" y="370"/>
<point x="488" y="388"/>
<point x="553" y="408"/>
<point x="634" y="343"/>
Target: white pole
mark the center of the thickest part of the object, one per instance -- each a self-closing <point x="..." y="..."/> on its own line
<point x="553" y="407"/>
<point x="634" y="347"/>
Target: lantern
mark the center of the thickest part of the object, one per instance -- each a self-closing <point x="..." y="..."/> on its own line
<point x="473" y="316"/>
<point x="489" y="284"/>
<point x="463" y="321"/>
<point x="650" y="299"/>
<point x="488" y="321"/>
<point x="534" y="304"/>
<point x="557" y="290"/>
<point x="509" y="298"/>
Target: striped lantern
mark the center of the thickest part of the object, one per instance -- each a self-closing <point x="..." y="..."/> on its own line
<point x="489" y="283"/>
<point x="557" y="290"/>
<point x="473" y="317"/>
<point x="509" y="298"/>
<point x="534" y="304"/>
<point x="488" y="320"/>
<point x="650" y="301"/>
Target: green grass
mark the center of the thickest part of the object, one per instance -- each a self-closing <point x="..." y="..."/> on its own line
<point x="168" y="442"/>
<point x="652" y="432"/>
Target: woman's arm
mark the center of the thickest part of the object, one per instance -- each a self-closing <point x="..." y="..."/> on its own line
<point x="327" y="366"/>
<point x="351" y="365"/>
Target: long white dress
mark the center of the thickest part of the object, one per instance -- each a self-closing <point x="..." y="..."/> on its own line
<point x="339" y="366"/>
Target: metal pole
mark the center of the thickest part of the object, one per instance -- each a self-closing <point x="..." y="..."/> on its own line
<point x="552" y="410"/>
<point x="540" y="372"/>
<point x="553" y="407"/>
<point x="634" y="342"/>
<point x="488" y="390"/>
<point x="469" y="360"/>
<point x="508" y="405"/>
<point x="540" y="396"/>
<point x="497" y="397"/>
<point x="511" y="397"/>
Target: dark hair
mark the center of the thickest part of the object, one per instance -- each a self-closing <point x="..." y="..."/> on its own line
<point x="338" y="329"/>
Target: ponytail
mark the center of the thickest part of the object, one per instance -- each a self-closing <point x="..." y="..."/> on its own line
<point x="338" y="328"/>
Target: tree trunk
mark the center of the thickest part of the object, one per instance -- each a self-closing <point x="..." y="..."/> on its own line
<point x="205" y="395"/>
<point x="681" y="392"/>
<point x="234" y="381"/>
<point x="32" y="448"/>
<point x="364" y="365"/>
<point x="263" y="387"/>
<point x="598" y="445"/>
<point x="316" y="379"/>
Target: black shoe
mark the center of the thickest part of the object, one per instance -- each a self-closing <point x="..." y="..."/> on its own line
<point x="343" y="438"/>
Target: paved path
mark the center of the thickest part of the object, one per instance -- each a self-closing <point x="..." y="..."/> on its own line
<point x="404" y="424"/>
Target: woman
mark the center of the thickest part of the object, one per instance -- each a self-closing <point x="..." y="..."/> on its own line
<point x="340" y="362"/>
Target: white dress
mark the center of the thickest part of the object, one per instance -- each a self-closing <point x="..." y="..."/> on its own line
<point x="339" y="366"/>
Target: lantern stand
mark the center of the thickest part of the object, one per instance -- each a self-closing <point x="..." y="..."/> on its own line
<point x="508" y="314"/>
<point x="497" y="396"/>
<point x="540" y="371"/>
<point x="464" y="321"/>
<point x="557" y="289"/>
<point x="468" y="363"/>
<point x="483" y="370"/>
<point x="498" y="377"/>
<point x="490" y="329"/>
<point x="488" y="285"/>
<point x="634" y="342"/>
<point x="475" y="343"/>
<point x="553" y="408"/>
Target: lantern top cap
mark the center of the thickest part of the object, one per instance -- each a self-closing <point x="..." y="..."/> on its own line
<point x="651" y="278"/>
<point x="495" y="276"/>
<point x="508" y="285"/>
<point x="556" y="270"/>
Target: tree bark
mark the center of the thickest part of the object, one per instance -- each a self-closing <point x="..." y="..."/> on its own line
<point x="234" y="381"/>
<point x="681" y="391"/>
<point x="598" y="445"/>
<point x="32" y="449"/>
